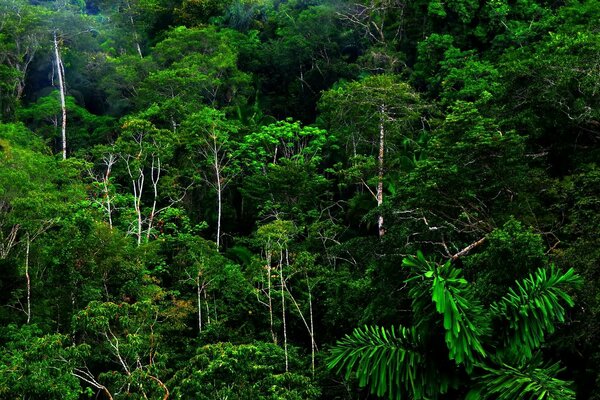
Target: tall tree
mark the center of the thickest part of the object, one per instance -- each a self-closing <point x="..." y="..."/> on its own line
<point x="212" y="136"/>
<point x="371" y="116"/>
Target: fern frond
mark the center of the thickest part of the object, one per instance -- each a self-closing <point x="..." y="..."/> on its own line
<point x="387" y="360"/>
<point x="531" y="382"/>
<point x="534" y="307"/>
<point x="464" y="320"/>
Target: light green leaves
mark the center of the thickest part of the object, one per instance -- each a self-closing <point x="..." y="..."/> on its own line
<point x="283" y="140"/>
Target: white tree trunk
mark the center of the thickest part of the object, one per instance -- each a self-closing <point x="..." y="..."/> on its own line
<point x="219" y="191"/>
<point x="269" y="297"/>
<point x="61" y="83"/>
<point x="135" y="34"/>
<point x="313" y="343"/>
<point x="381" y="169"/>
<point x="28" y="279"/>
<point x="199" y="293"/>
<point x="155" y="172"/>
<point x="285" y="349"/>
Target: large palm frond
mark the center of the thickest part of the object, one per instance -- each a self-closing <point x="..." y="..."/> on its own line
<point x="532" y="381"/>
<point x="464" y="320"/>
<point x="534" y="307"/>
<point x="387" y="360"/>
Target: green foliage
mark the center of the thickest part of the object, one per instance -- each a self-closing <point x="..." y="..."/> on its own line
<point x="463" y="318"/>
<point x="84" y="129"/>
<point x="390" y="362"/>
<point x="248" y="371"/>
<point x="471" y="128"/>
<point x="35" y="365"/>
<point x="513" y="249"/>
<point x="199" y="65"/>
<point x="283" y="140"/>
<point x="534" y="307"/>
<point x="533" y="381"/>
<point x="386" y="360"/>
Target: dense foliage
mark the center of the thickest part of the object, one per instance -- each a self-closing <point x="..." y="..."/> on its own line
<point x="299" y="199"/>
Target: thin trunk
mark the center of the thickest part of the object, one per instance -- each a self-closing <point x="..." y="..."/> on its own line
<point x="109" y="160"/>
<point x="137" y="198"/>
<point x="28" y="279"/>
<point x="380" y="172"/>
<point x="108" y="208"/>
<point x="199" y="293"/>
<point x="285" y="349"/>
<point x="219" y="191"/>
<point x="61" y="83"/>
<point x="313" y="344"/>
<point x="207" y="308"/>
<point x="155" y="171"/>
<point x="135" y="35"/>
<point x="309" y="328"/>
<point x="269" y="297"/>
<point x="104" y="282"/>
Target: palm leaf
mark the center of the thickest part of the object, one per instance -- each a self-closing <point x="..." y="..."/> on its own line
<point x="530" y="382"/>
<point x="534" y="307"/>
<point x="463" y="318"/>
<point x="386" y="360"/>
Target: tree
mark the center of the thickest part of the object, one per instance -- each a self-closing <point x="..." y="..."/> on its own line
<point x="44" y="117"/>
<point x="22" y="38"/>
<point x="144" y="149"/>
<point x="126" y="335"/>
<point x="132" y="18"/>
<point x="65" y="22"/>
<point x="197" y="66"/>
<point x="505" y="363"/>
<point x="211" y="135"/>
<point x="243" y="371"/>
<point x="371" y="116"/>
<point x="282" y="162"/>
<point x="36" y="365"/>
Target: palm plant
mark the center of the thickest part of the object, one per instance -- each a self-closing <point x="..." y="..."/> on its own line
<point x="492" y="352"/>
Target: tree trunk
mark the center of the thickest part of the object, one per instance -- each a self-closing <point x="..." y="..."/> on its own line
<point x="313" y="344"/>
<point x="269" y="297"/>
<point x="199" y="293"/>
<point x="61" y="83"/>
<point x="135" y="35"/>
<point x="380" y="169"/>
<point x="207" y="308"/>
<point x="109" y="162"/>
<point x="155" y="172"/>
<point x="28" y="278"/>
<point x="137" y="199"/>
<point x="219" y="194"/>
<point x="285" y="349"/>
